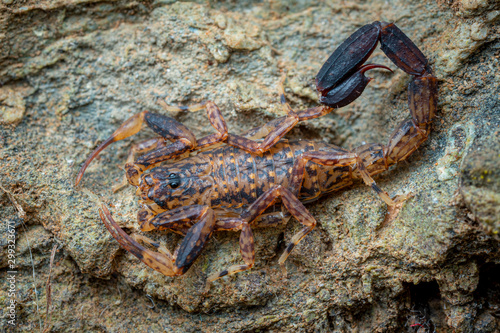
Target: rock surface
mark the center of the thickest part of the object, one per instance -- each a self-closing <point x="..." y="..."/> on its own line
<point x="71" y="71"/>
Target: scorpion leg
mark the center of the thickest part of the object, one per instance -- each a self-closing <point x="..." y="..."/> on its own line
<point x="160" y="248"/>
<point x="180" y="108"/>
<point x="249" y="218"/>
<point x="214" y="115"/>
<point x="343" y="94"/>
<point x="271" y="132"/>
<point x="195" y="222"/>
<point x="265" y="220"/>
<point x="178" y="220"/>
<point x="184" y="144"/>
<point x="314" y="112"/>
<point x="279" y="127"/>
<point x="193" y="243"/>
<point x="247" y="247"/>
<point x="274" y="219"/>
<point x="147" y="212"/>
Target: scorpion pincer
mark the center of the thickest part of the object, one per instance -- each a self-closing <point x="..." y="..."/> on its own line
<point x="257" y="179"/>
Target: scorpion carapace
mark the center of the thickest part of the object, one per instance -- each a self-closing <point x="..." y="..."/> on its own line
<point x="250" y="183"/>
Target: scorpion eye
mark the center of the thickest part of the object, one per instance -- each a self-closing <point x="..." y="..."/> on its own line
<point x="174" y="180"/>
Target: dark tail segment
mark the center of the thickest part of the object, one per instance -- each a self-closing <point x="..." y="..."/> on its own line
<point x="340" y="81"/>
<point x="402" y="51"/>
<point x="350" y="89"/>
<point x="348" y="57"/>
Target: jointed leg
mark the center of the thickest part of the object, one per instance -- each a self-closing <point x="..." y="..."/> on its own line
<point x="307" y="114"/>
<point x="180" y="108"/>
<point x="218" y="122"/>
<point x="184" y="140"/>
<point x="281" y="89"/>
<point x="160" y="248"/>
<point x="247" y="248"/>
<point x="195" y="222"/>
<point x="291" y="203"/>
<point x="370" y="182"/>
<point x="338" y="97"/>
<point x="271" y="132"/>
<point x="178" y="220"/>
<point x="276" y="129"/>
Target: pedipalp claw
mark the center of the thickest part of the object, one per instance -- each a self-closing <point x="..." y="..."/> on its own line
<point x="157" y="261"/>
<point x="194" y="241"/>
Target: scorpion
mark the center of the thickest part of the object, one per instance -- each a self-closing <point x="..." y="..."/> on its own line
<point x="242" y="182"/>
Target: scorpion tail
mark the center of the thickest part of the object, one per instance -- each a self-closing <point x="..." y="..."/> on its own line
<point x="350" y="89"/>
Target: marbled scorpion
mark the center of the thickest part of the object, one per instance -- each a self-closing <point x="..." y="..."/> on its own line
<point x="259" y="179"/>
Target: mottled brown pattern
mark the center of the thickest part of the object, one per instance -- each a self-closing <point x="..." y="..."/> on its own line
<point x="373" y="157"/>
<point x="216" y="119"/>
<point x="404" y="141"/>
<point x="422" y="99"/>
<point x="156" y="261"/>
<point x="260" y="179"/>
<point x="180" y="219"/>
<point x="247" y="245"/>
<point x="168" y="128"/>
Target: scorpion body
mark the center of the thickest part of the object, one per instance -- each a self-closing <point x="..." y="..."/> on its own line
<point x="260" y="179"/>
<point x="229" y="179"/>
